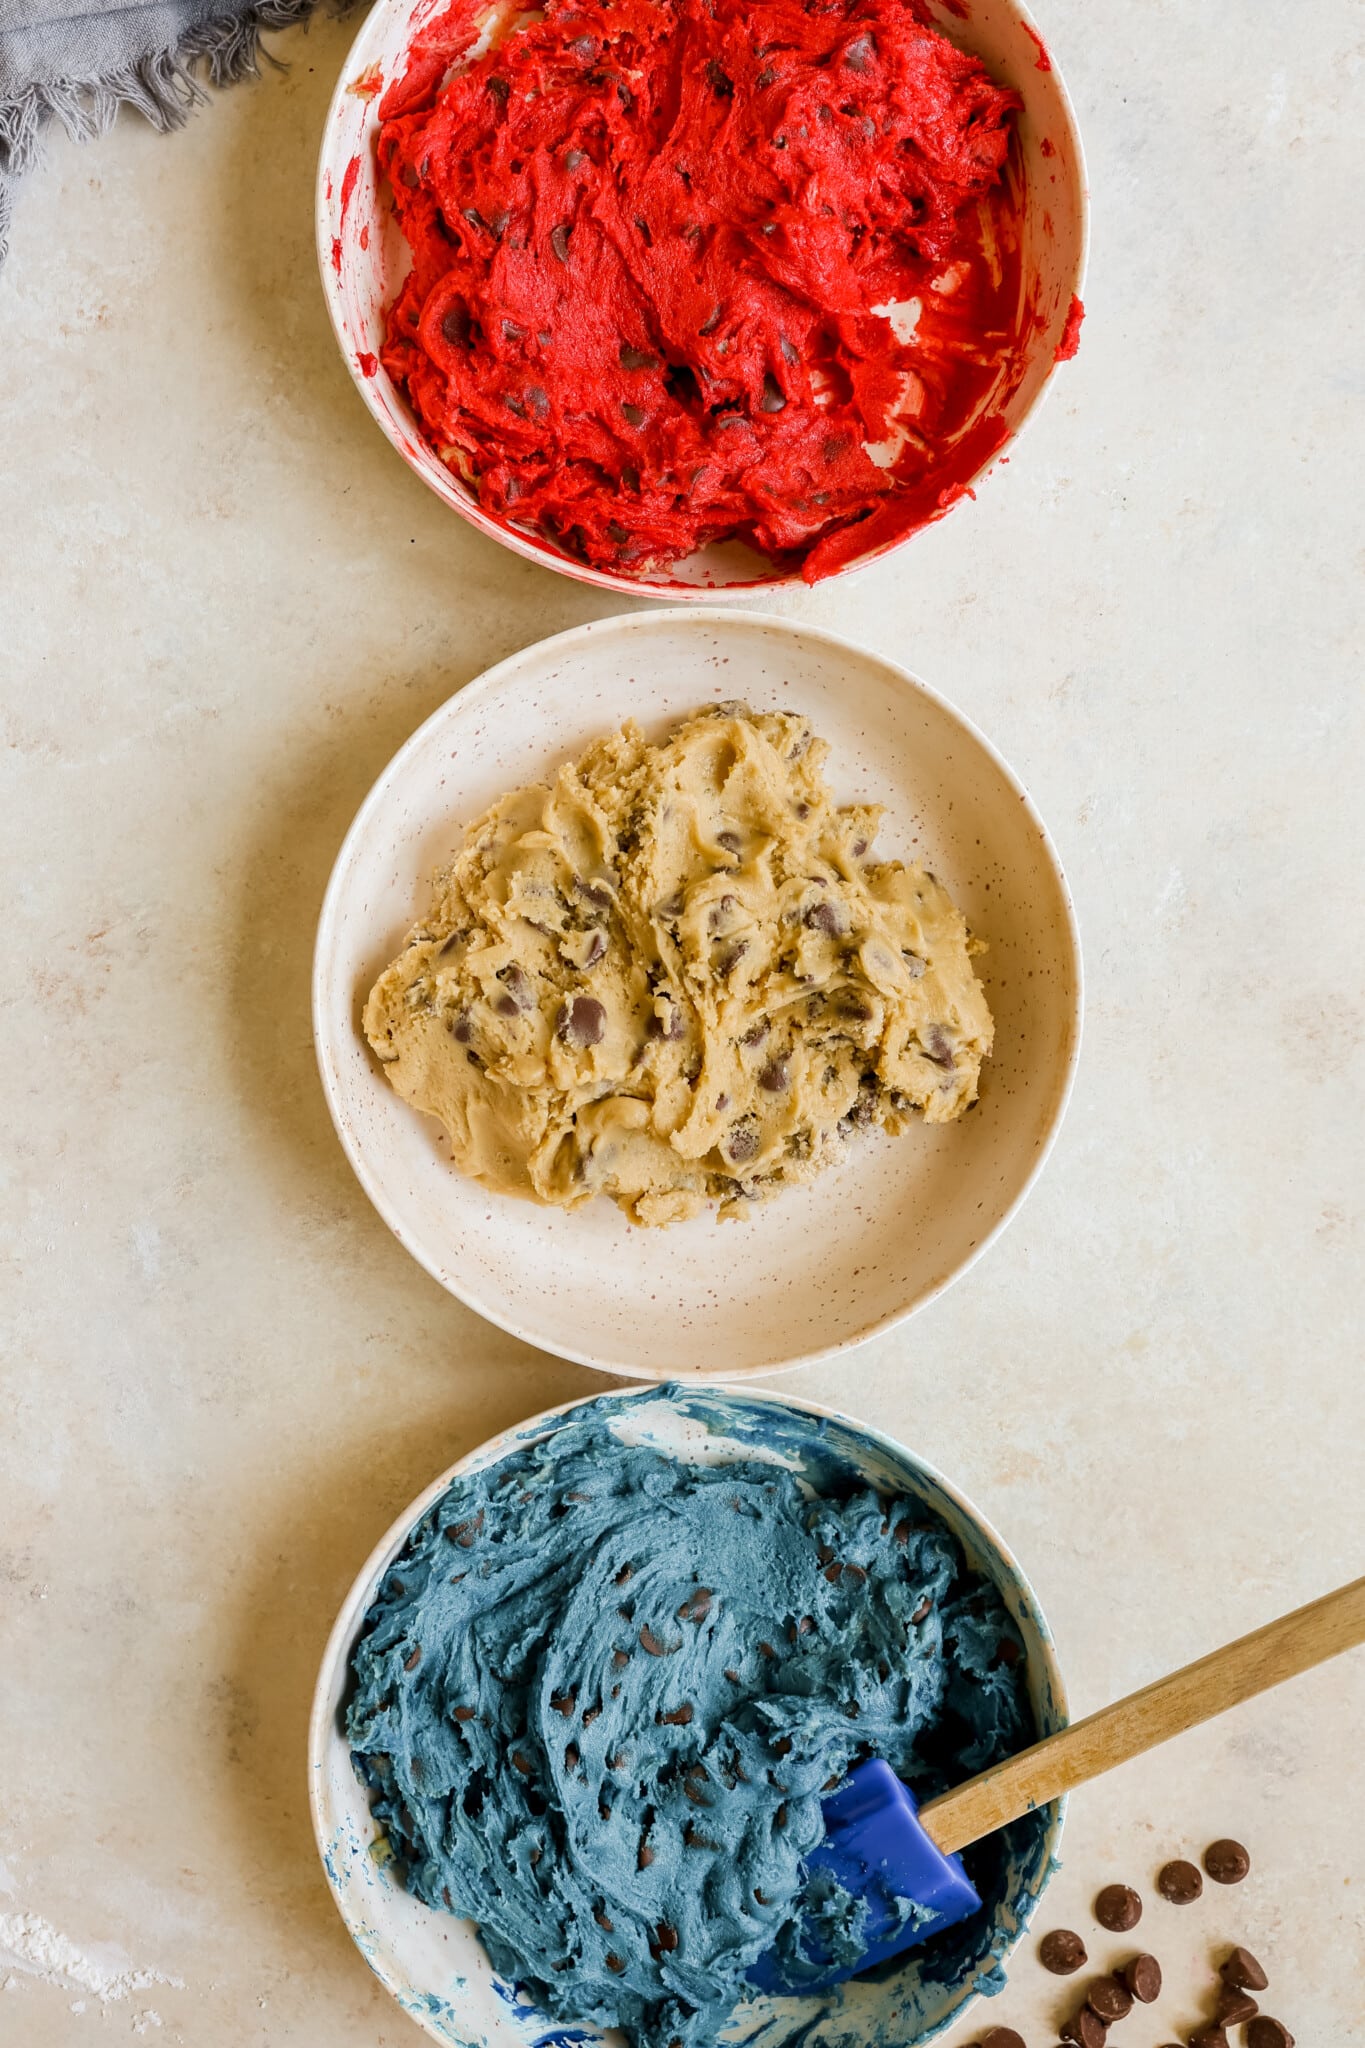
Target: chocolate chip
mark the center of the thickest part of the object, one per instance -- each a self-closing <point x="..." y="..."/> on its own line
<point x="666" y="1936"/>
<point x="461" y="1030"/>
<point x="1085" y="2028"/>
<point x="1235" y="2008"/>
<point x="559" y="242"/>
<point x="1242" y="1971"/>
<point x="1142" y="1976"/>
<point x="455" y="326"/>
<point x="680" y="1717"/>
<point x="600" y="1915"/>
<point x="563" y="1703"/>
<point x="858" y="56"/>
<point x="696" y="1606"/>
<point x="1208" y="2037"/>
<point x="634" y="414"/>
<point x="935" y="1047"/>
<point x="411" y="1663"/>
<point x="1263" y="2032"/>
<point x="1118" y="1908"/>
<point x="582" y="1022"/>
<point x="772" y="399"/>
<point x="1109" y="2000"/>
<point x="465" y="1713"/>
<point x="637" y="358"/>
<point x="652" y="1643"/>
<point x="1180" y="1882"/>
<point x="741" y="1144"/>
<point x="465" y="1533"/>
<point x="775" y="1076"/>
<point x="1061" y="1951"/>
<point x="614" y="1963"/>
<point x="572" y="159"/>
<point x="1001" y="2037"/>
<point x="827" y="917"/>
<point x="1226" y="1861"/>
<point x="729" y="840"/>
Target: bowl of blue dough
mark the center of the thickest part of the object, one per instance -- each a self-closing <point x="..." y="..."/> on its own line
<point x="578" y="1714"/>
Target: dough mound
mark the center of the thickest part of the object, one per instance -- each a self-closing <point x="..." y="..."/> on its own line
<point x="600" y="1694"/>
<point x="677" y="975"/>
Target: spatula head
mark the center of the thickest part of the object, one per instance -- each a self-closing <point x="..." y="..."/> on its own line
<point x="876" y="1851"/>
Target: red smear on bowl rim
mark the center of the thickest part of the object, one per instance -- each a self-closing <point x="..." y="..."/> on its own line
<point x="1044" y="61"/>
<point x="1071" y="333"/>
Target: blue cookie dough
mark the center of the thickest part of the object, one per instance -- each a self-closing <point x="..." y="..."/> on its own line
<point x="600" y="1694"/>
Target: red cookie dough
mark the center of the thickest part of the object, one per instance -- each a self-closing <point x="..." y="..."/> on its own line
<point x="649" y="239"/>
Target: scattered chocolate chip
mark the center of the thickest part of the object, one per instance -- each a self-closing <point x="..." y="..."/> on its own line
<point x="696" y="1606"/>
<point x="1180" y="1882"/>
<point x="559" y="242"/>
<point x="1208" y="2037"/>
<point x="1263" y="2032"/>
<point x="607" y="1925"/>
<point x="634" y="414"/>
<point x="1142" y="1976"/>
<point x="637" y="358"/>
<point x="1226" y="1861"/>
<point x="935" y="1047"/>
<point x="455" y="326"/>
<point x="680" y="1717"/>
<point x="563" y="1703"/>
<point x="858" y="56"/>
<point x="1118" y="1908"/>
<point x="1001" y="2037"/>
<point x="1085" y="2028"/>
<point x="461" y="1030"/>
<point x="614" y="1963"/>
<point x="572" y="159"/>
<point x="465" y="1533"/>
<point x="1242" y="1971"/>
<point x="666" y="1936"/>
<point x="741" y="1144"/>
<point x="1109" y="2000"/>
<point x="772" y="399"/>
<point x="1235" y="2008"/>
<point x="465" y="1713"/>
<point x="729" y="840"/>
<point x="644" y="1855"/>
<point x="652" y="1643"/>
<point x="775" y="1076"/>
<point x="625" y="1575"/>
<point x="582" y="1022"/>
<point x="411" y="1663"/>
<point x="620" y="1658"/>
<point x="828" y="918"/>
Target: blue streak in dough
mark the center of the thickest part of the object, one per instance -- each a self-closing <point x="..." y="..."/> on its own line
<point x="600" y="1693"/>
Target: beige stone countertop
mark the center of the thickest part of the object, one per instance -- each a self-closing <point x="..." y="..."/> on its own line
<point x="224" y="602"/>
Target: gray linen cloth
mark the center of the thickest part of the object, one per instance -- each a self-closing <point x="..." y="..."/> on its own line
<point x="79" y="61"/>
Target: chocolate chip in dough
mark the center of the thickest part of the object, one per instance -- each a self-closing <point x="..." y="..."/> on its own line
<point x="582" y="1022"/>
<point x="1235" y="2008"/>
<point x="1263" y="2032"/>
<point x="1226" y="1861"/>
<point x="1085" y="2028"/>
<point x="1242" y="1972"/>
<point x="741" y="1144"/>
<point x="1109" y="2000"/>
<point x="1118" y="1908"/>
<point x="1061" y="1951"/>
<point x="1180" y="1882"/>
<point x="775" y="1076"/>
<point x="1142" y="1976"/>
<point x="1001" y="2037"/>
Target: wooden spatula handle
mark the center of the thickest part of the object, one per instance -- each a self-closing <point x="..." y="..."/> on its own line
<point x="1250" y="1665"/>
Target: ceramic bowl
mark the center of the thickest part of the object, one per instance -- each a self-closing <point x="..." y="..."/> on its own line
<point x="885" y="1229"/>
<point x="363" y="258"/>
<point x="435" y="1965"/>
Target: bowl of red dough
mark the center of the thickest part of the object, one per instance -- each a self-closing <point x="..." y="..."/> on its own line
<point x="673" y="295"/>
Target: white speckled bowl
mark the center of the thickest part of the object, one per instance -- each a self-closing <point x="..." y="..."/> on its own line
<point x="434" y="1963"/>
<point x="363" y="258"/>
<point x="818" y="1269"/>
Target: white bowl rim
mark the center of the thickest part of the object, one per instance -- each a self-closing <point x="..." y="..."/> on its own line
<point x="673" y="592"/>
<point x="486" y="684"/>
<point x="342" y="1635"/>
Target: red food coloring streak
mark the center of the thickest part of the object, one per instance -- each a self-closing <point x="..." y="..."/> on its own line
<point x="368" y="363"/>
<point x="1071" y="333"/>
<point x="369" y="84"/>
<point x="348" y="184"/>
<point x="616" y="307"/>
<point x="336" y="254"/>
<point x="365" y="236"/>
<point x="1044" y="61"/>
<point x="1045" y="147"/>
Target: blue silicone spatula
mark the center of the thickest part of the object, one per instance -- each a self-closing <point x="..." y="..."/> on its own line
<point x="902" y="1858"/>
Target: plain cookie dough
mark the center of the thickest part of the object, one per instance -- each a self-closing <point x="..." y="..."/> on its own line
<point x="678" y="975"/>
